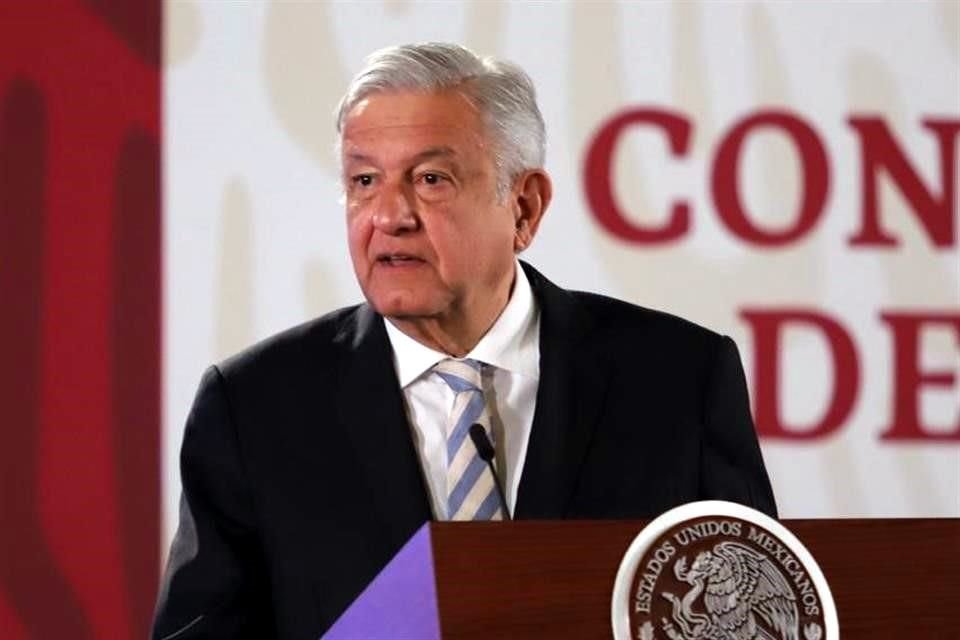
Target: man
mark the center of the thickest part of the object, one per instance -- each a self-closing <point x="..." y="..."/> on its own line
<point x="311" y="458"/>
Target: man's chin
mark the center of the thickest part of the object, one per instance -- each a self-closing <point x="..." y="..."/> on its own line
<point x="405" y="310"/>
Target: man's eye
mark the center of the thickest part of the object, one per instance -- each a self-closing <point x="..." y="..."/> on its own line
<point x="431" y="179"/>
<point x="363" y="180"/>
<point x="431" y="185"/>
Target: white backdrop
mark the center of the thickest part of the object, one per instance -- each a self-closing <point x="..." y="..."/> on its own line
<point x="255" y="238"/>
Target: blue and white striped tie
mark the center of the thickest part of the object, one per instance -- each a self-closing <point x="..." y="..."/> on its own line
<point x="471" y="492"/>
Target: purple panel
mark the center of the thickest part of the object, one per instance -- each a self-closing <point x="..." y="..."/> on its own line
<point x="400" y="603"/>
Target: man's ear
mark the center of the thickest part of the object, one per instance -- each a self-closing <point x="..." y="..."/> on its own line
<point x="532" y="193"/>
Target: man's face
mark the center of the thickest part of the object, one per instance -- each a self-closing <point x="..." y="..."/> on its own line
<point x="429" y="237"/>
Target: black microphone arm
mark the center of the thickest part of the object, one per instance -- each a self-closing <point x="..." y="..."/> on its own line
<point x="480" y="440"/>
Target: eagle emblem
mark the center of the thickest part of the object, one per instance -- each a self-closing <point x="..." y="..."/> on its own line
<point x="745" y="597"/>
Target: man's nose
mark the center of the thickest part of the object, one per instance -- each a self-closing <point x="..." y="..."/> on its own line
<point x="396" y="210"/>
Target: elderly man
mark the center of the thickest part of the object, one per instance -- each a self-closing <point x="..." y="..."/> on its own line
<point x="309" y="459"/>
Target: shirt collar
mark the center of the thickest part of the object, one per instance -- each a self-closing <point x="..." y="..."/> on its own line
<point x="510" y="344"/>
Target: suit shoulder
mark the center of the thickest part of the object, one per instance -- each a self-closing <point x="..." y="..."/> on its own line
<point x="621" y="317"/>
<point x="319" y="340"/>
<point x="680" y="351"/>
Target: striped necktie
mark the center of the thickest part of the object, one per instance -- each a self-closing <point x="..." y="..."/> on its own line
<point x="471" y="492"/>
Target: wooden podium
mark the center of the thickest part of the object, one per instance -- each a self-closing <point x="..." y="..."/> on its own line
<point x="890" y="578"/>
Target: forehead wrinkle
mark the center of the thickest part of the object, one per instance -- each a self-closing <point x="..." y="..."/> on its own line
<point x="356" y="135"/>
<point x="382" y="143"/>
<point x="442" y="151"/>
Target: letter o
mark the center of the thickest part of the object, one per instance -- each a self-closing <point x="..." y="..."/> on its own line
<point x="816" y="178"/>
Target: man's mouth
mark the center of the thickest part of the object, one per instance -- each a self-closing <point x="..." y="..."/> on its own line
<point x="398" y="260"/>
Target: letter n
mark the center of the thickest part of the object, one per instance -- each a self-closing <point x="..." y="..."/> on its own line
<point x="879" y="151"/>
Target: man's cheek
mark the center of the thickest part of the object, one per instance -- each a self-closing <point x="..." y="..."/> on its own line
<point x="358" y="235"/>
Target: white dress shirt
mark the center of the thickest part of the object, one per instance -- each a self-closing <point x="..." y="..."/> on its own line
<point x="511" y="349"/>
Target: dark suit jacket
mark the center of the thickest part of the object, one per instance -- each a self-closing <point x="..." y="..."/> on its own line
<point x="301" y="480"/>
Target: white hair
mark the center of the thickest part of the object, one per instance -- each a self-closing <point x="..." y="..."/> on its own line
<point x="501" y="91"/>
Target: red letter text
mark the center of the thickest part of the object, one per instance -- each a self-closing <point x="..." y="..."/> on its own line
<point x="767" y="327"/>
<point x="879" y="151"/>
<point x="908" y="379"/>
<point x="816" y="179"/>
<point x="599" y="186"/>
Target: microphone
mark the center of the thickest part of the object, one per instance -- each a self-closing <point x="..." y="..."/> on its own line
<point x="480" y="440"/>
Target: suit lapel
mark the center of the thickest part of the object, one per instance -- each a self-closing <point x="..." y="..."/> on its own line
<point x="570" y="397"/>
<point x="371" y="410"/>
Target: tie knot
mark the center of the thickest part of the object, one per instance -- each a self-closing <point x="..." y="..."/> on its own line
<point x="460" y="375"/>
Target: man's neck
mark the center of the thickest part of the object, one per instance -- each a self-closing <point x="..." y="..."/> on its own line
<point x="455" y="336"/>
